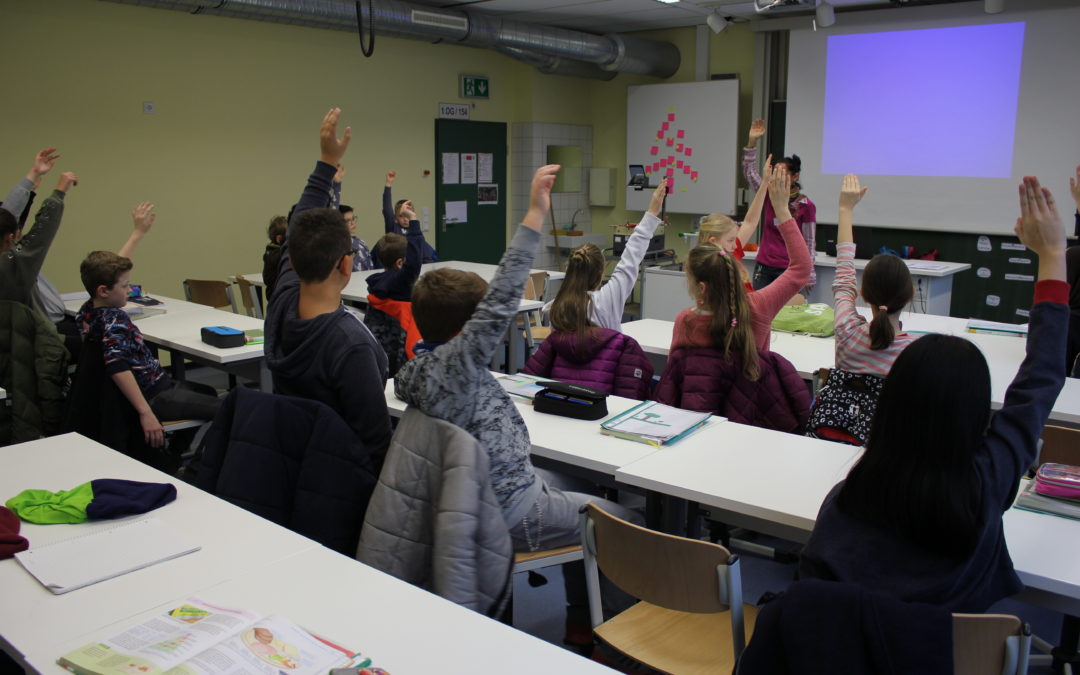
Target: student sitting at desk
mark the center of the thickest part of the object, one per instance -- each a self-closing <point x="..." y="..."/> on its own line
<point x="463" y="320"/>
<point x="389" y="314"/>
<point x="919" y="516"/>
<point x="128" y="361"/>
<point x="587" y="346"/>
<point x="396" y="221"/>
<point x="716" y="228"/>
<point x="315" y="346"/>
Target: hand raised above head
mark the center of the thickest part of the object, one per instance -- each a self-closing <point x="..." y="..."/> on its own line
<point x="390" y="176"/>
<point x="657" y="201"/>
<point x="1074" y="188"/>
<point x="43" y="163"/>
<point x="540" y="196"/>
<point x="757" y="130"/>
<point x="68" y="180"/>
<point x="143" y="216"/>
<point x="1039" y="226"/>
<point x="332" y="147"/>
<point x="851" y="192"/>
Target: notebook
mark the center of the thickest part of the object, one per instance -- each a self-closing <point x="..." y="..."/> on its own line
<point x="81" y="561"/>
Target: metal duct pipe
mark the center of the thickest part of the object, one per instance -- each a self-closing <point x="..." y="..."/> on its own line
<point x="612" y="52"/>
<point x="556" y="65"/>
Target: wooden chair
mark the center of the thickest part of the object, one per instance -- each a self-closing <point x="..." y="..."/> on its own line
<point x="532" y="327"/>
<point x="249" y="297"/>
<point x="1060" y="445"/>
<point x="990" y="643"/>
<point x="209" y="292"/>
<point x="691" y="618"/>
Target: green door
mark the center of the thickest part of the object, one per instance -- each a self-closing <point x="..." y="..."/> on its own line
<point x="471" y="190"/>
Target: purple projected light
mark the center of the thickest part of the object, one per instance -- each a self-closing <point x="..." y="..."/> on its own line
<point x="935" y="102"/>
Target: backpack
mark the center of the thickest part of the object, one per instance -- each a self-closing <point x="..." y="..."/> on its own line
<point x="845" y="407"/>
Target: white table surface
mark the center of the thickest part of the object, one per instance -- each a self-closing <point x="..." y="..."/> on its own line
<point x="922" y="268"/>
<point x="1003" y="354"/>
<point x="562" y="439"/>
<point x="35" y="622"/>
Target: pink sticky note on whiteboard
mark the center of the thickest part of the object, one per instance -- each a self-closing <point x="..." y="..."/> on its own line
<point x="671" y="117"/>
<point x="679" y="147"/>
<point x="689" y="152"/>
<point x="654" y="150"/>
<point x="686" y="169"/>
<point x="670" y="142"/>
<point x="680" y="134"/>
<point x="670" y="172"/>
<point x="656" y="167"/>
<point x="665" y="126"/>
<point x="693" y="175"/>
<point x="679" y="163"/>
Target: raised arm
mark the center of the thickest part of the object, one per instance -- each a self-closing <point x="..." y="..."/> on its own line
<point x="142" y="216"/>
<point x="609" y="300"/>
<point x="753" y="178"/>
<point x="844" y="286"/>
<point x="335" y="186"/>
<point x="389" y="222"/>
<point x="16" y="201"/>
<point x="1015" y="429"/>
<point x="775" y="295"/>
<point x="414" y="237"/>
<point x="317" y="192"/>
<point x="35" y="245"/>
<point x="754" y="211"/>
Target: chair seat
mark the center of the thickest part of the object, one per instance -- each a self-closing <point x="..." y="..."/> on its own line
<point x="675" y="642"/>
<point x="533" y="560"/>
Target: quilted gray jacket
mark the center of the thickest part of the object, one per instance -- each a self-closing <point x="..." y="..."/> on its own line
<point x="434" y="520"/>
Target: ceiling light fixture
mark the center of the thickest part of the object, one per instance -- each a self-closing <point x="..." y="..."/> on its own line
<point x="668" y="2"/>
<point x="716" y="22"/>
<point x="825" y="15"/>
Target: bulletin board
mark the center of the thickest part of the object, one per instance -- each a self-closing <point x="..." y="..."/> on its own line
<point x="688" y="132"/>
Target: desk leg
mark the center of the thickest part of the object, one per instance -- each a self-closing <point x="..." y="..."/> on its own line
<point x="177" y="359"/>
<point x="517" y="341"/>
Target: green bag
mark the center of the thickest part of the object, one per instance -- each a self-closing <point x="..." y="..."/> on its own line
<point x="816" y="320"/>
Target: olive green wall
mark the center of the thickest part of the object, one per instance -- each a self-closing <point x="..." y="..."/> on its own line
<point x="236" y="128"/>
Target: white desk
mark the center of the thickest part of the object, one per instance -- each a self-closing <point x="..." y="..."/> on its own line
<point x="34" y="622"/>
<point x="561" y="439"/>
<point x="1003" y="354"/>
<point x="178" y="331"/>
<point x="246" y="562"/>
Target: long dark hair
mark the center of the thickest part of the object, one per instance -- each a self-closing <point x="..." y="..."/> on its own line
<point x="916" y="478"/>
<point x="725" y="297"/>
<point x="570" y="311"/>
<point x="886" y="282"/>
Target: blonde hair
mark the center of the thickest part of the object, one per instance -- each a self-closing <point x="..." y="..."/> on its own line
<point x="725" y="297"/>
<point x="715" y="225"/>
<point x="570" y="311"/>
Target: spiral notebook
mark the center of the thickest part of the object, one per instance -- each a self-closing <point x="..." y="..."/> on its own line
<point x="81" y="561"/>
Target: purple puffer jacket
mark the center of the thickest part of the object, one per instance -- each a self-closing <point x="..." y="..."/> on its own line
<point x="707" y="380"/>
<point x="609" y="361"/>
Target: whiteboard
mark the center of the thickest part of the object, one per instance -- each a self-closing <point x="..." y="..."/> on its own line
<point x="689" y="131"/>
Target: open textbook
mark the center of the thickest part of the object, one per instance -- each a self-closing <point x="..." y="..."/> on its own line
<point x="197" y="638"/>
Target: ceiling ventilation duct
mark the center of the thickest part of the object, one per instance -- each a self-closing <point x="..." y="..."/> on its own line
<point x="553" y="50"/>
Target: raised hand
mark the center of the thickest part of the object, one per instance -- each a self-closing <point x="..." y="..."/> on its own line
<point x="757" y="130"/>
<point x="1039" y="226"/>
<point x="390" y="176"/>
<point x="332" y="147"/>
<point x="657" y="201"/>
<point x="43" y="163"/>
<point x="851" y="192"/>
<point x="143" y="216"/>
<point x="540" y="196"/>
<point x="780" y="191"/>
<point x="340" y="175"/>
<point x="68" y="180"/>
<point x="408" y="210"/>
<point x="1074" y="188"/>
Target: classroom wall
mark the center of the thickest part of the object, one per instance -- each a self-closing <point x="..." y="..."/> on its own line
<point x="236" y="128"/>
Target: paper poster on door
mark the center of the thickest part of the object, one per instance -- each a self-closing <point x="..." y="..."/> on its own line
<point x="487" y="193"/>
<point x="450" y="169"/>
<point x="457" y="212"/>
<point x="486" y="168"/>
<point x="468" y="168"/>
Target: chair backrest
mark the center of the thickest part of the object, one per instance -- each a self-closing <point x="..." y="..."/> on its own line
<point x="990" y="643"/>
<point x="249" y="297"/>
<point x="1060" y="445"/>
<point x="676" y="573"/>
<point x="535" y="285"/>
<point x="209" y="292"/>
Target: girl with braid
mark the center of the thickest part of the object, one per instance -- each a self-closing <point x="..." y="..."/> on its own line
<point x="586" y="346"/>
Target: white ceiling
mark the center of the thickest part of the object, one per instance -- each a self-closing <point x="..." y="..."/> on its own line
<point x="620" y="16"/>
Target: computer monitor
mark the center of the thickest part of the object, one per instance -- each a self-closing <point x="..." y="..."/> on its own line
<point x="639" y="180"/>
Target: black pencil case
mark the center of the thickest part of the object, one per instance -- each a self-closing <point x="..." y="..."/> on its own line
<point x="571" y="400"/>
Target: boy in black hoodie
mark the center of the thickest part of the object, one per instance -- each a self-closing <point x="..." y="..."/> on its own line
<point x="316" y="347"/>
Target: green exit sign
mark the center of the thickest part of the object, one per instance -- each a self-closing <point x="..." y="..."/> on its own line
<point x="473" y="86"/>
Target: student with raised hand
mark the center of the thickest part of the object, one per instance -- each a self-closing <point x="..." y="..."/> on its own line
<point x="725" y="232"/>
<point x="587" y="346"/>
<point x="867" y="347"/>
<point x="397" y="222"/>
<point x="774" y="255"/>
<point x="316" y="347"/>
<point x="919" y="516"/>
<point x="128" y="361"/>
<point x="1072" y="260"/>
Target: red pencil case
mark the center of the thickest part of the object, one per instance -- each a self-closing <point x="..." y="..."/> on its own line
<point x="1058" y="480"/>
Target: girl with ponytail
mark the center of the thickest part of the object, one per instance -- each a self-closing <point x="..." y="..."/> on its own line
<point x="587" y="346"/>
<point x="862" y="347"/>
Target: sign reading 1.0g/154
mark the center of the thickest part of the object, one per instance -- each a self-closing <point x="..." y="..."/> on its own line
<point x="474" y="87"/>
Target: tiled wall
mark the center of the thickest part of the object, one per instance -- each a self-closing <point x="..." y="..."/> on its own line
<point x="528" y="147"/>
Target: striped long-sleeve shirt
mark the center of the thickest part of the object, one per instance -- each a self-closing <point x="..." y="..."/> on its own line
<point x="853" y="352"/>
